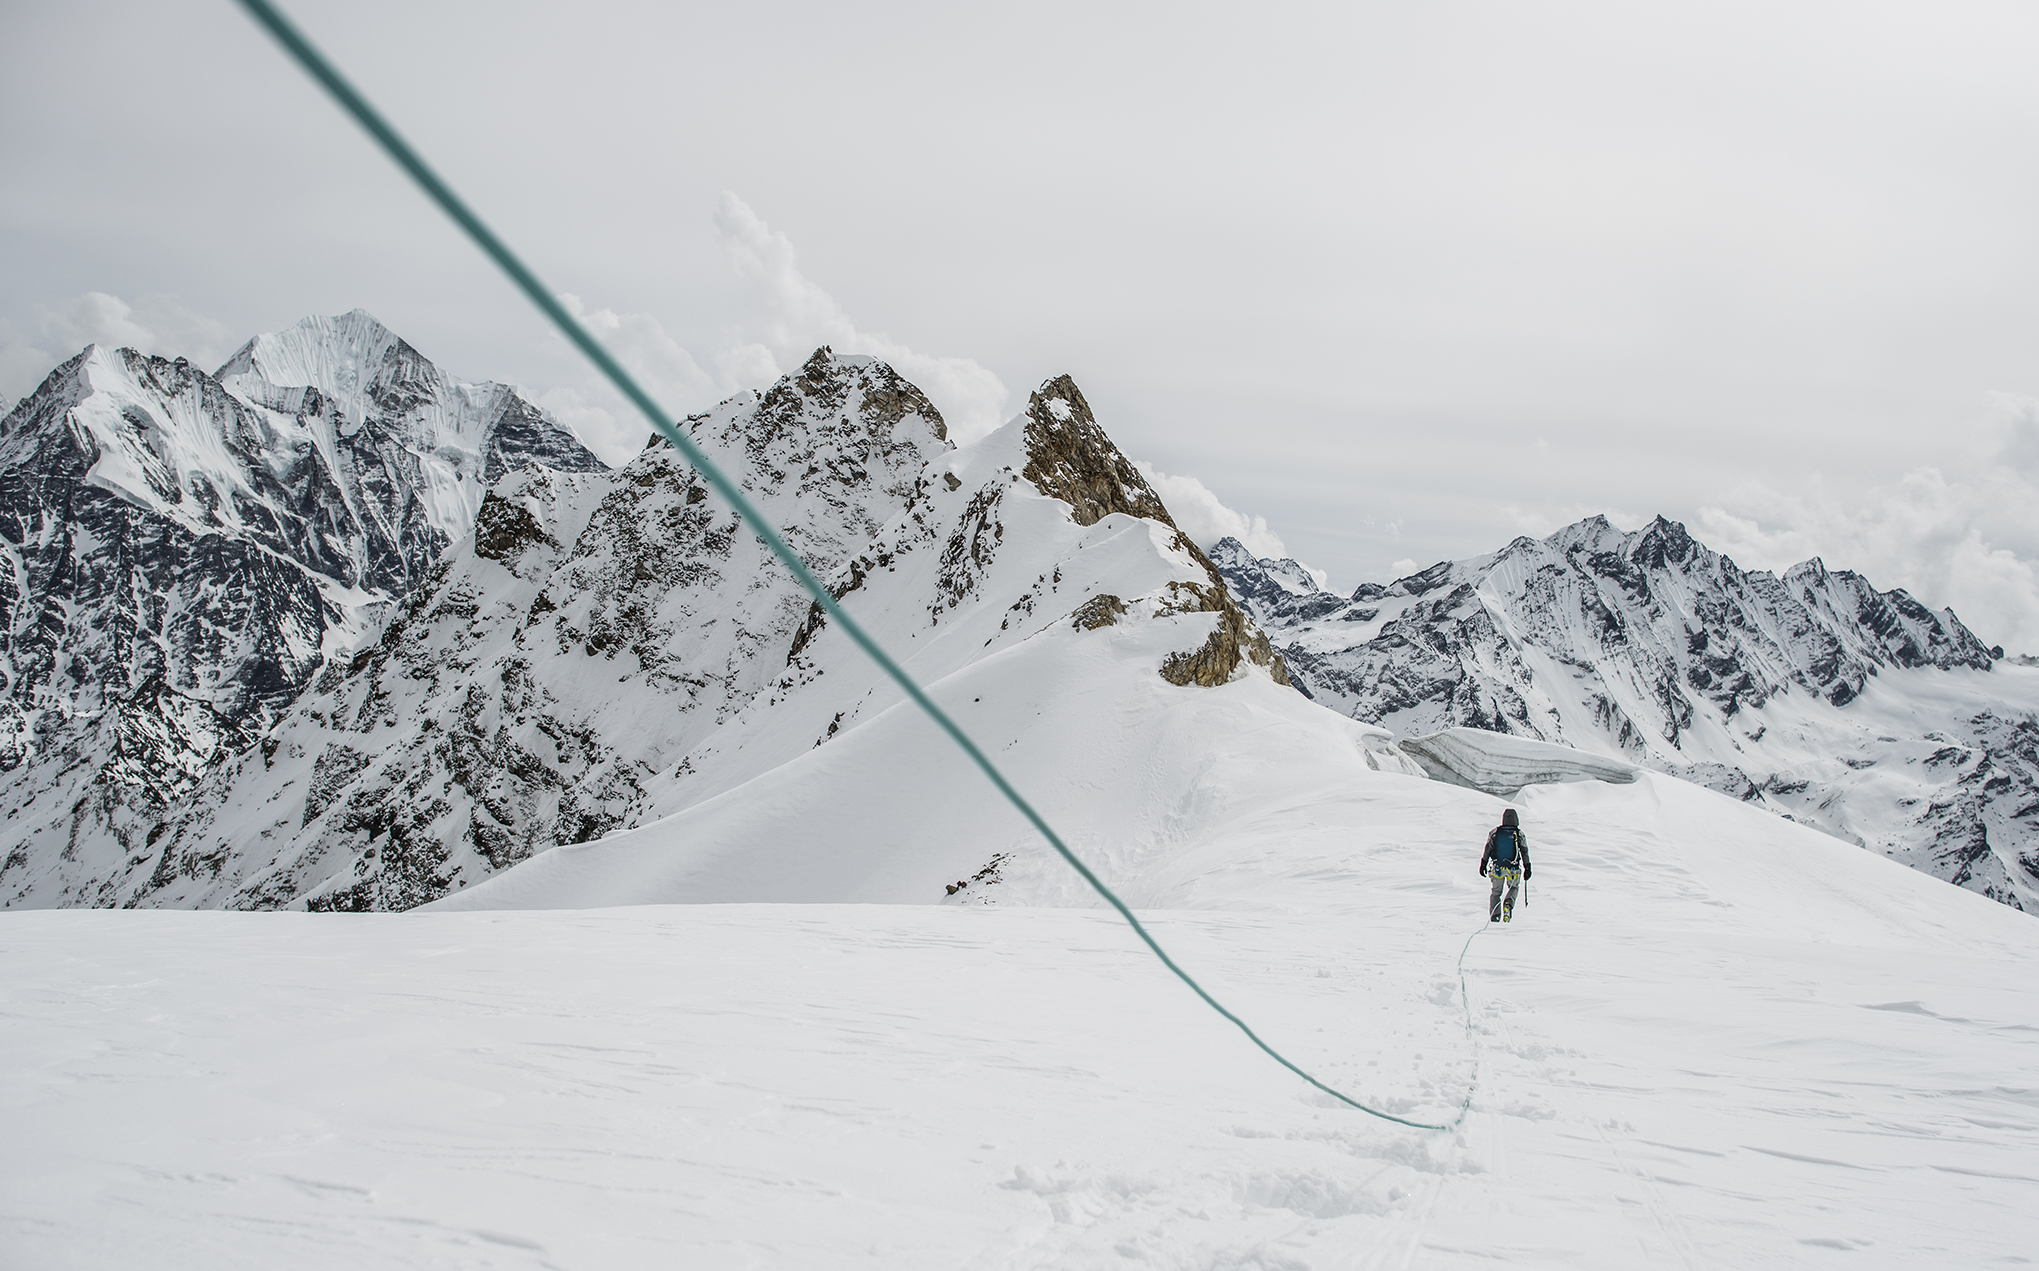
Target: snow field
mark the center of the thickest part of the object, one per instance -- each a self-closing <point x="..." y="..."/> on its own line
<point x="1760" y="1048"/>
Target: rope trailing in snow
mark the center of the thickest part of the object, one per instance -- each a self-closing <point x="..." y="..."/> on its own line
<point x="371" y="121"/>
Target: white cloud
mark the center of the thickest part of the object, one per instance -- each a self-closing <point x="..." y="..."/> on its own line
<point x="1403" y="568"/>
<point x="1204" y="517"/>
<point x="599" y="415"/>
<point x="799" y="316"/>
<point x="155" y="324"/>
<point x="1541" y="522"/>
<point x="788" y="316"/>
<point x="1963" y="535"/>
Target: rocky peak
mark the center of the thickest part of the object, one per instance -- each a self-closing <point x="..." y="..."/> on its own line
<point x="1593" y="534"/>
<point x="46" y="407"/>
<point x="1070" y="458"/>
<point x="1229" y="553"/>
<point x="1259" y="582"/>
<point x="845" y="431"/>
<point x="384" y="411"/>
<point x="350" y="356"/>
<point x="1664" y="542"/>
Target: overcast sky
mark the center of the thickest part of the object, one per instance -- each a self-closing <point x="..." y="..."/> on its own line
<point x="1393" y="283"/>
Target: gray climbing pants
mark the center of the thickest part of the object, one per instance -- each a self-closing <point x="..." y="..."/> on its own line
<point x="1509" y="876"/>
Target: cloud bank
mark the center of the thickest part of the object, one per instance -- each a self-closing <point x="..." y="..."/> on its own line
<point x="1962" y="535"/>
<point x="788" y="316"/>
<point x="155" y="324"/>
<point x="800" y="316"/>
<point x="1200" y="514"/>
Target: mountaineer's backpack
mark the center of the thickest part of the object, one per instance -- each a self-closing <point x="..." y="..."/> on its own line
<point x="1507" y="845"/>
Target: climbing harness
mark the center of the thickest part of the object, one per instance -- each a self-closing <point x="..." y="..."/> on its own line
<point x="400" y="151"/>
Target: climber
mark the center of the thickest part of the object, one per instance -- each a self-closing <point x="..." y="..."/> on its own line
<point x="1508" y="855"/>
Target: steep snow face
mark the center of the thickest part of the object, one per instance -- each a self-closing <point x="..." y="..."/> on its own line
<point x="1811" y="693"/>
<point x="443" y="439"/>
<point x="610" y="649"/>
<point x="183" y="552"/>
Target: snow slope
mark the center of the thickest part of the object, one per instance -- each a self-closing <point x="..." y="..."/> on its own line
<point x="1712" y="1038"/>
<point x="1809" y="693"/>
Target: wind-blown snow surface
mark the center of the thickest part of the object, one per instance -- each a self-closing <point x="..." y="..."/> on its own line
<point x="1810" y="694"/>
<point x="1712" y="1038"/>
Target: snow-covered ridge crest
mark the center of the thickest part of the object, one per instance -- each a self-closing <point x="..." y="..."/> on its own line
<point x="1810" y="693"/>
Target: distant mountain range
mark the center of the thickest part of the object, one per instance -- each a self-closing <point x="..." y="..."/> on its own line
<point x="1810" y="693"/>
<point x="185" y="550"/>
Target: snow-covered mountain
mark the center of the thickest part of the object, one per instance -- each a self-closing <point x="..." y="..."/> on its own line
<point x="608" y="648"/>
<point x="1809" y="693"/>
<point x="184" y="551"/>
<point x="1708" y="1037"/>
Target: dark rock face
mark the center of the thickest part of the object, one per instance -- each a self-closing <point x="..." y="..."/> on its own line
<point x="188" y="549"/>
<point x="1655" y="648"/>
<point x="1098" y="611"/>
<point x="1215" y="661"/>
<point x="1070" y="458"/>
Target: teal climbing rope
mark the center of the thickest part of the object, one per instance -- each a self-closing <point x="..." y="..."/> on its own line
<point x="350" y="100"/>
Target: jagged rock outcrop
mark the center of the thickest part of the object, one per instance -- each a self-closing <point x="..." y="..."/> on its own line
<point x="1070" y="458"/>
<point x="186" y="551"/>
<point x="1651" y="647"/>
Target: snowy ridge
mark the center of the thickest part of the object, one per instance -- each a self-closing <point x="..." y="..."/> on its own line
<point x="185" y="551"/>
<point x="1809" y="693"/>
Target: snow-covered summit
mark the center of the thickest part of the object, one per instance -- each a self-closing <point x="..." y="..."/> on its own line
<point x="350" y="372"/>
<point x="1286" y="577"/>
<point x="1811" y="692"/>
